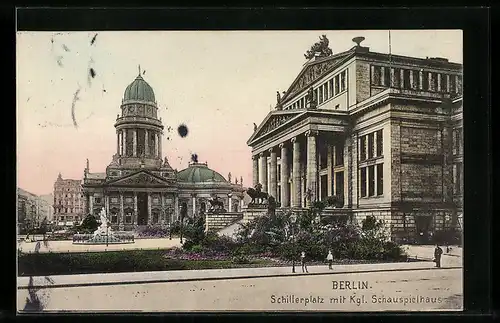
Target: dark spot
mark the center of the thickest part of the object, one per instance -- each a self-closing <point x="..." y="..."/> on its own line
<point x="104" y="90"/>
<point x="93" y="40"/>
<point x="182" y="130"/>
<point x="194" y="158"/>
<point x="59" y="61"/>
<point x="75" y="98"/>
<point x="92" y="72"/>
<point x="65" y="47"/>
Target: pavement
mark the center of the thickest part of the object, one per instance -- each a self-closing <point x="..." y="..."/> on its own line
<point x="218" y="274"/>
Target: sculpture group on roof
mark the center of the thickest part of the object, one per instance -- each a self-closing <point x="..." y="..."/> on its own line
<point x="320" y="48"/>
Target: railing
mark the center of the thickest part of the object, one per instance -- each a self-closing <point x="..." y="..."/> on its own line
<point x="121" y="120"/>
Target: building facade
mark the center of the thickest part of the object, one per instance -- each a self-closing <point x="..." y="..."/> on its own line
<point x="381" y="132"/>
<point x="139" y="186"/>
<point x="31" y="209"/>
<point x="69" y="204"/>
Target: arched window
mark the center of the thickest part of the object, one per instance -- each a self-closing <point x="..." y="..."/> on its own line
<point x="203" y="207"/>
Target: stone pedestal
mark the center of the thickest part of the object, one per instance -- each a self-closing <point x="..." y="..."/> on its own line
<point x="253" y="211"/>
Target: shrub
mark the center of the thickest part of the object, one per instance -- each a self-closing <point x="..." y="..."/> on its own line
<point x="240" y="259"/>
<point x="197" y="248"/>
<point x="153" y="232"/>
<point x="89" y="224"/>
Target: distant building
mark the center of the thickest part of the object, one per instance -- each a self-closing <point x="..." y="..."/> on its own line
<point x="382" y="133"/>
<point x="29" y="210"/>
<point x="48" y="204"/>
<point x="69" y="204"/>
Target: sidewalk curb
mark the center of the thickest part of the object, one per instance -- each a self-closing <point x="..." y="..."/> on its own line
<point x="156" y="281"/>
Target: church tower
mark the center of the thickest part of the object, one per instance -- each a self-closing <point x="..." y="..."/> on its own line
<point x="138" y="129"/>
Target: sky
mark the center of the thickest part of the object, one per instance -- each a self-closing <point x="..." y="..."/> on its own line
<point x="217" y="83"/>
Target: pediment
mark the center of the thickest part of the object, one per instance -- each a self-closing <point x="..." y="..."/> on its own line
<point x="312" y="72"/>
<point x="141" y="178"/>
<point x="273" y="121"/>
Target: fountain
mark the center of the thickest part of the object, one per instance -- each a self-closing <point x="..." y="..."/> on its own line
<point x="103" y="235"/>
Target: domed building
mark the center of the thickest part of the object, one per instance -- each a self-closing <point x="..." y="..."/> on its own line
<point x="139" y="186"/>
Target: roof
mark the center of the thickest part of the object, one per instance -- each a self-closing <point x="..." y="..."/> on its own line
<point x="139" y="90"/>
<point x="96" y="176"/>
<point x="199" y="173"/>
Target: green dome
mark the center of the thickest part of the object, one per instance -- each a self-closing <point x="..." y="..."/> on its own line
<point x="198" y="173"/>
<point x="139" y="90"/>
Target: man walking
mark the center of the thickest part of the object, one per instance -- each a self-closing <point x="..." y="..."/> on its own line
<point x="303" y="261"/>
<point x="330" y="259"/>
<point x="437" y="255"/>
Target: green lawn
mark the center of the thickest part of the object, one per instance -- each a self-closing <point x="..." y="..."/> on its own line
<point x="46" y="264"/>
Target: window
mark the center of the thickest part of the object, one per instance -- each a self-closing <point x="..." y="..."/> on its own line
<point x="406" y="79"/>
<point x="457" y="178"/>
<point x="434" y="82"/>
<point x="425" y="81"/>
<point x="453" y="84"/>
<point x="342" y="81"/>
<point x="444" y="82"/>
<point x="114" y="216"/>
<point x="380" y="143"/>
<point x="416" y="80"/>
<point x="128" y="216"/>
<point x="98" y="200"/>
<point x="339" y="154"/>
<point x="387" y="76"/>
<point x="337" y="83"/>
<point x="362" y="148"/>
<point x="457" y="141"/>
<point x="363" y="182"/>
<point x="380" y="179"/>
<point x="114" y="200"/>
<point x="330" y="88"/>
<point x="396" y="80"/>
<point x="320" y="94"/>
<point x="339" y="183"/>
<point x="377" y="75"/>
<point x="371" y="146"/>
<point x="371" y="180"/>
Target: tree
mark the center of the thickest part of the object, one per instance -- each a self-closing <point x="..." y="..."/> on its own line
<point x="89" y="224"/>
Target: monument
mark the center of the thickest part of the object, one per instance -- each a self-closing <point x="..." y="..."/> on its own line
<point x="103" y="235"/>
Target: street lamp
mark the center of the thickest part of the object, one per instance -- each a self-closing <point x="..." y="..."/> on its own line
<point x="107" y="232"/>
<point x="293" y="219"/>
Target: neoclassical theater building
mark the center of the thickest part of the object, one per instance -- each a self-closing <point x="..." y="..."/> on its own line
<point x="381" y="132"/>
<point x="139" y="186"/>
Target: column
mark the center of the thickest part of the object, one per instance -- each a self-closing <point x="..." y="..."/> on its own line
<point x="392" y="79"/>
<point x="149" y="209"/>
<point x="118" y="142"/>
<point x="106" y="204"/>
<point x="230" y="201"/>
<point x="135" y="142"/>
<point x="412" y="84"/>
<point x="176" y="206"/>
<point x="159" y="145"/>
<point x="402" y="78"/>
<point x="121" y="219"/>
<point x="382" y="76"/>
<point x="420" y="80"/>
<point x="263" y="172"/>
<point x="296" y="196"/>
<point x="146" y="142"/>
<point x="124" y="142"/>
<point x="312" y="167"/>
<point x="447" y="83"/>
<point x="241" y="204"/>
<point x="163" y="213"/>
<point x="134" y="220"/>
<point x="273" y="185"/>
<point x="438" y="75"/>
<point x="285" y="188"/>
<point x="255" y="170"/>
<point x="329" y="169"/>
<point x="194" y="205"/>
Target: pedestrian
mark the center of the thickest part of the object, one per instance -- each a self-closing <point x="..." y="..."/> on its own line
<point x="330" y="259"/>
<point x="303" y="261"/>
<point x="437" y="255"/>
<point x="447" y="248"/>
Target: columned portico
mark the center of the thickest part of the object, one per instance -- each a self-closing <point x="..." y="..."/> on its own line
<point x="285" y="191"/>
<point x="263" y="171"/>
<point x="273" y="185"/>
<point x="296" y="180"/>
<point x="312" y="167"/>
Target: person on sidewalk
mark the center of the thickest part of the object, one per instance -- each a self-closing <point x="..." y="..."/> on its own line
<point x="330" y="259"/>
<point x="303" y="261"/>
<point x="437" y="256"/>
